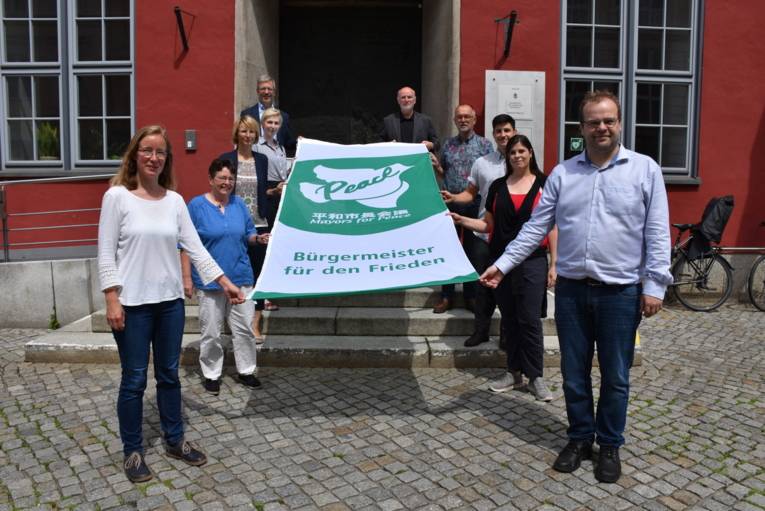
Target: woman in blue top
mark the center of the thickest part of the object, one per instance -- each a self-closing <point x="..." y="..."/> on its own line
<point x="226" y="229"/>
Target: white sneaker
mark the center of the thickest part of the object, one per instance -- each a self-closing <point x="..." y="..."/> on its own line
<point x="509" y="380"/>
<point x="539" y="389"/>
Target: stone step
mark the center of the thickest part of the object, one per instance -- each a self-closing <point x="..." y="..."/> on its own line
<point x="77" y="343"/>
<point x="303" y="351"/>
<point x="354" y="321"/>
<point x="417" y="298"/>
<point x="298" y="351"/>
<point x="424" y="297"/>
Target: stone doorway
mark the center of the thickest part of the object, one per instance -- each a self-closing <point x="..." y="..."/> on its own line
<point x="338" y="63"/>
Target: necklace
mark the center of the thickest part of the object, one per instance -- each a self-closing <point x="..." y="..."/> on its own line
<point x="216" y="203"/>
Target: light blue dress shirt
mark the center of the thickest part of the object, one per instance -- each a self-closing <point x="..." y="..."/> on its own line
<point x="613" y="222"/>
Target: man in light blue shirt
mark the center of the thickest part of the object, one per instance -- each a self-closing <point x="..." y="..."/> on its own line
<point x="610" y="206"/>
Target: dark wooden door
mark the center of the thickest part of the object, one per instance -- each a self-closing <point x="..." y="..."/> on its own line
<point x="341" y="63"/>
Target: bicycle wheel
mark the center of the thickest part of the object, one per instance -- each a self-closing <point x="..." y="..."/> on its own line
<point x="756" y="283"/>
<point x="702" y="284"/>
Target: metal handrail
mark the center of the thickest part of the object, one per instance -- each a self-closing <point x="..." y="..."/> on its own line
<point x="65" y="179"/>
<point x="5" y="216"/>
<point x="56" y="212"/>
<point x="35" y="243"/>
<point x="66" y="226"/>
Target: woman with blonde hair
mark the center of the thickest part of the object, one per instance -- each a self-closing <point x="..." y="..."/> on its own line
<point x="142" y="223"/>
<point x="251" y="170"/>
<point x="278" y="165"/>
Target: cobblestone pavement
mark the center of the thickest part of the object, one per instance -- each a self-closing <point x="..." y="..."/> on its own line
<point x="399" y="439"/>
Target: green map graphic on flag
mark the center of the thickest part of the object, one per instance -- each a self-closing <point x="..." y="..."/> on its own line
<point x="361" y="218"/>
<point x="360" y="195"/>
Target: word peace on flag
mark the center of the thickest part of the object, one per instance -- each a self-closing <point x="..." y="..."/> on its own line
<point x="358" y="219"/>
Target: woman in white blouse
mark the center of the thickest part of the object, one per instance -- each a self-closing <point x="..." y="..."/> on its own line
<point x="142" y="224"/>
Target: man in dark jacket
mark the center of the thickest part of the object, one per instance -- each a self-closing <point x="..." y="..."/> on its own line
<point x="266" y="96"/>
<point x="408" y="125"/>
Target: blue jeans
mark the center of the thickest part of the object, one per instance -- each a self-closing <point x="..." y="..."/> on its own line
<point x="161" y="326"/>
<point x="607" y="317"/>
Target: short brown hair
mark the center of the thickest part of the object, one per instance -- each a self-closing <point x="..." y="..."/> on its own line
<point x="250" y="122"/>
<point x="217" y="165"/>
<point x="127" y="176"/>
<point x="596" y="96"/>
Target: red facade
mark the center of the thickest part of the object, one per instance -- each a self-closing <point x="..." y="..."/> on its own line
<point x="195" y="90"/>
<point x="732" y="90"/>
<point x="191" y="90"/>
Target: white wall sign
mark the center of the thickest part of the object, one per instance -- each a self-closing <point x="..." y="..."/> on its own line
<point x="522" y="95"/>
<point x="516" y="100"/>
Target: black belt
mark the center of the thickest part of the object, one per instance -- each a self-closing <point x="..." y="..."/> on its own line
<point x="589" y="281"/>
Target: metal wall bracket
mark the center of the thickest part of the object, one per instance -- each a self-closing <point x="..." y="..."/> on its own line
<point x="510" y="20"/>
<point x="182" y="29"/>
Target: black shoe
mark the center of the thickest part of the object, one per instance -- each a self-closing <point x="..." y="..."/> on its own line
<point x="476" y="339"/>
<point x="184" y="451"/>
<point x="609" y="468"/>
<point x="249" y="380"/>
<point x="572" y="455"/>
<point x="136" y="469"/>
<point x="212" y="386"/>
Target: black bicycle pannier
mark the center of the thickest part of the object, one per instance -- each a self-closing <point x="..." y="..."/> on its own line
<point x="710" y="228"/>
<point x="715" y="218"/>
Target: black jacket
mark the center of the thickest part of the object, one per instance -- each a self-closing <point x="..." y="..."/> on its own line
<point x="422" y="130"/>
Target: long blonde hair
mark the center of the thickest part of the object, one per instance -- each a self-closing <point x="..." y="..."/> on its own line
<point x="128" y="173"/>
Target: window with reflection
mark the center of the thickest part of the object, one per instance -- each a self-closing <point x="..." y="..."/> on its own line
<point x="645" y="52"/>
<point x="103" y="116"/>
<point x="575" y="89"/>
<point x="593" y="33"/>
<point x="66" y="81"/>
<point x="103" y="30"/>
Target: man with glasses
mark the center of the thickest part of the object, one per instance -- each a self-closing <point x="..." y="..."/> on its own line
<point x="266" y="88"/>
<point x="458" y="155"/>
<point x="483" y="173"/>
<point x="610" y="206"/>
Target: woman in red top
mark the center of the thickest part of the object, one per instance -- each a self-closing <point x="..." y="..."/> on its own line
<point x="520" y="297"/>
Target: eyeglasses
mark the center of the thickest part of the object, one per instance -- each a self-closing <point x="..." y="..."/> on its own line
<point x="610" y="122"/>
<point x="147" y="152"/>
<point x="224" y="179"/>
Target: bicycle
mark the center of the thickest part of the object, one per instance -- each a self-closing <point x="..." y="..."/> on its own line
<point x="755" y="283"/>
<point x="701" y="282"/>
